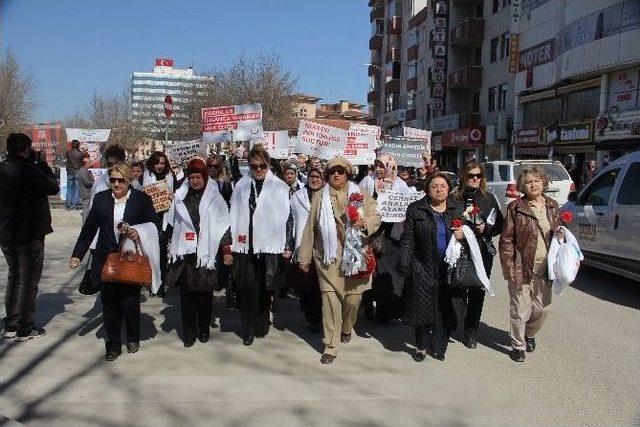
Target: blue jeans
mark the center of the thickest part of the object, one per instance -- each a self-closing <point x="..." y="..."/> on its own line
<point x="73" y="199"/>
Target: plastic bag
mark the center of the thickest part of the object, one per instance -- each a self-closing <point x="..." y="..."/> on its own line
<point x="566" y="266"/>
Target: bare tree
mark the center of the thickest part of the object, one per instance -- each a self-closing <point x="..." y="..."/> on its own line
<point x="17" y="96"/>
<point x="261" y="79"/>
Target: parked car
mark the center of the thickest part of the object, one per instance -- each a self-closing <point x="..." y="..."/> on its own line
<point x="502" y="175"/>
<point x="606" y="217"/>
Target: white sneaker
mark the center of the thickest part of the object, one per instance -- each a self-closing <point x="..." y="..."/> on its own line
<point x="10" y="332"/>
<point x="35" y="333"/>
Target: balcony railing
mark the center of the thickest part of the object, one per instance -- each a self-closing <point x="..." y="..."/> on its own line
<point x="375" y="42"/>
<point x="412" y="83"/>
<point x="392" y="86"/>
<point x="395" y="25"/>
<point x="373" y="97"/>
<point x="418" y="18"/>
<point x="412" y="53"/>
<point x="469" y="32"/>
<point x="468" y="77"/>
<point x="393" y="54"/>
<point x="375" y="69"/>
<point x="376" y="13"/>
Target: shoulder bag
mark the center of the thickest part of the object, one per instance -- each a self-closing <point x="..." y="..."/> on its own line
<point x="129" y="268"/>
<point x="463" y="275"/>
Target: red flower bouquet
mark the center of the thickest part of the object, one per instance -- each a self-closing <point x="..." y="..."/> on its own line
<point x="566" y="217"/>
<point x="457" y="223"/>
<point x="356" y="261"/>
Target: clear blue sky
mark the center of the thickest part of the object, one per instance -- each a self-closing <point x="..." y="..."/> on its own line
<point x="76" y="47"/>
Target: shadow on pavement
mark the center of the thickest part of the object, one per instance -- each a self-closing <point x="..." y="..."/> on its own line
<point x="608" y="287"/>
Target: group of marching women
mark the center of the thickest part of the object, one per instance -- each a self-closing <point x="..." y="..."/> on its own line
<point x="284" y="226"/>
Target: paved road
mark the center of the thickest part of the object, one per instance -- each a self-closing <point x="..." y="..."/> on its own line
<point x="585" y="372"/>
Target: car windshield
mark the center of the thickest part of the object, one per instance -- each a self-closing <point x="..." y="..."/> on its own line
<point x="554" y="171"/>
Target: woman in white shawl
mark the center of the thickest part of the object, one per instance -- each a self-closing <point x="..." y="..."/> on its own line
<point x="199" y="222"/>
<point x="307" y="286"/>
<point x="387" y="284"/>
<point x="323" y="242"/>
<point x="262" y="232"/>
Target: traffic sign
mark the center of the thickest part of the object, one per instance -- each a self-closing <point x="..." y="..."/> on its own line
<point x="168" y="106"/>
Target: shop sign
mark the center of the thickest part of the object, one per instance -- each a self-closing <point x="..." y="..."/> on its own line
<point x="624" y="88"/>
<point x="618" y="126"/>
<point x="514" y="41"/>
<point x="464" y="137"/>
<point x="443" y="123"/>
<point x="536" y="55"/>
<point x="527" y="137"/>
<point x="575" y="132"/>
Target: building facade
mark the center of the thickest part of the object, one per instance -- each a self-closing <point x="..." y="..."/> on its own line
<point x="148" y="91"/>
<point x="499" y="79"/>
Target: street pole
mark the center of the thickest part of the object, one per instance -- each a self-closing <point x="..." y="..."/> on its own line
<point x="166" y="134"/>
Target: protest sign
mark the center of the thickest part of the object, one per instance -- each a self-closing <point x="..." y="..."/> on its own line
<point x="97" y="172"/>
<point x="322" y="141"/>
<point x="91" y="141"/>
<point x="416" y="133"/>
<point x="182" y="151"/>
<point x="362" y="141"/>
<point x="46" y="139"/>
<point x="392" y="205"/>
<point x="232" y="123"/>
<point x="407" y="151"/>
<point x="276" y="143"/>
<point x="243" y="165"/>
<point x="160" y="195"/>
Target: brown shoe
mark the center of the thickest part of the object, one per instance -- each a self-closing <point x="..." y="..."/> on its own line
<point x="327" y="359"/>
<point x="345" y="338"/>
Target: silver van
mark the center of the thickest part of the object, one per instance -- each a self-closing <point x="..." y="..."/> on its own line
<point x="606" y="217"/>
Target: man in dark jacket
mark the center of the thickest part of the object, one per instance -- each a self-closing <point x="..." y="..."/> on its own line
<point x="25" y="219"/>
<point x="74" y="164"/>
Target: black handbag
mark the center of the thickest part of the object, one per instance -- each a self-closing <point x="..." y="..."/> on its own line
<point x="463" y="275"/>
<point x="86" y="285"/>
<point x="233" y="295"/>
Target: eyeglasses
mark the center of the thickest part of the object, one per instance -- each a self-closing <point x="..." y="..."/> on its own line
<point x="474" y="175"/>
<point x="337" y="169"/>
<point x="118" y="180"/>
<point x="255" y="167"/>
<point x="314" y="176"/>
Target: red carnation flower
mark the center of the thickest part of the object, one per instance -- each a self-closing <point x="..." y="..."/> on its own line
<point x="352" y="213"/>
<point x="475" y="210"/>
<point x="356" y="197"/>
<point x="457" y="223"/>
<point x="566" y="217"/>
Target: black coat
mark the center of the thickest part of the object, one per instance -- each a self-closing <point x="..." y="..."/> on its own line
<point x="426" y="300"/>
<point x="138" y="210"/>
<point x="24" y="206"/>
<point x="486" y="202"/>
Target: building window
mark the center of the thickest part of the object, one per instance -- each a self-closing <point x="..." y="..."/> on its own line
<point x="492" y="99"/>
<point x="392" y="101"/>
<point x="476" y="103"/>
<point x="480" y="10"/>
<point x="581" y="105"/>
<point x="502" y="96"/>
<point x="505" y="3"/>
<point x="494" y="49"/>
<point x="377" y="27"/>
<point x="411" y="100"/>
<point x="412" y="69"/>
<point x="504" y="45"/>
<point x="496" y="6"/>
<point x="478" y="57"/>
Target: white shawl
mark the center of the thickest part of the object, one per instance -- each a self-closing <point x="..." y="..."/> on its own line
<point x="214" y="223"/>
<point x="150" y="246"/>
<point x="269" y="219"/>
<point x="452" y="255"/>
<point x="300" y="207"/>
<point x="328" y="224"/>
<point x="369" y="184"/>
<point x="150" y="178"/>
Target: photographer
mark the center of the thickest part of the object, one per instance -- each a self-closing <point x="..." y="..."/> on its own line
<point x="25" y="218"/>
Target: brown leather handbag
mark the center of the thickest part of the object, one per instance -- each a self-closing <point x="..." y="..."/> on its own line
<point x="129" y="268"/>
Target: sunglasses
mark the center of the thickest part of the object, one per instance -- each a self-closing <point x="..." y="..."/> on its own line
<point x="474" y="175"/>
<point x="337" y="169"/>
<point x="118" y="180"/>
<point x="213" y="166"/>
<point x="258" y="166"/>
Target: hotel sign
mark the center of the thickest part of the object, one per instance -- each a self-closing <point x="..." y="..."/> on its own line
<point x="536" y="55"/>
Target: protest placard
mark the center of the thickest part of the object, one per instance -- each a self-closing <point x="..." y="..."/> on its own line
<point x="182" y="151"/>
<point x="392" y="205"/>
<point x="409" y="132"/>
<point x="276" y="143"/>
<point x="91" y="142"/>
<point x="362" y="140"/>
<point x="160" y="195"/>
<point x="407" y="151"/>
<point x="322" y="141"/>
<point x="232" y="123"/>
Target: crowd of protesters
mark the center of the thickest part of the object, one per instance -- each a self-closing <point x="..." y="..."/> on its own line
<point x="280" y="230"/>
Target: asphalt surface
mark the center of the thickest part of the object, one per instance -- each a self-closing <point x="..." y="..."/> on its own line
<point x="586" y="370"/>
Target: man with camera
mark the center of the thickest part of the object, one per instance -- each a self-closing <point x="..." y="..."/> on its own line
<point x="25" y="219"/>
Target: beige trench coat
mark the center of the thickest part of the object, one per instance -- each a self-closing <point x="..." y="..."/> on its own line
<point x="331" y="277"/>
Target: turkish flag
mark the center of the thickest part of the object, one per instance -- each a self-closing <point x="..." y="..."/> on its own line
<point x="164" y="62"/>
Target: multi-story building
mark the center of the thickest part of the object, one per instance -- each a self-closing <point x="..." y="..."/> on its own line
<point x="508" y="78"/>
<point x="578" y="81"/>
<point x="148" y="91"/>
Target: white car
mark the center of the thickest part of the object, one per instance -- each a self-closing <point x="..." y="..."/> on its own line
<point x="502" y="176"/>
<point x="606" y="218"/>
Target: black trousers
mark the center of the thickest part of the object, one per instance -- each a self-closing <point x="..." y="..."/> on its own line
<point x="475" y="302"/>
<point x="25" y="269"/>
<point x="255" y="300"/>
<point x="120" y="302"/>
<point x="163" y="238"/>
<point x="432" y="337"/>
<point x="308" y="290"/>
<point x="196" y="308"/>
